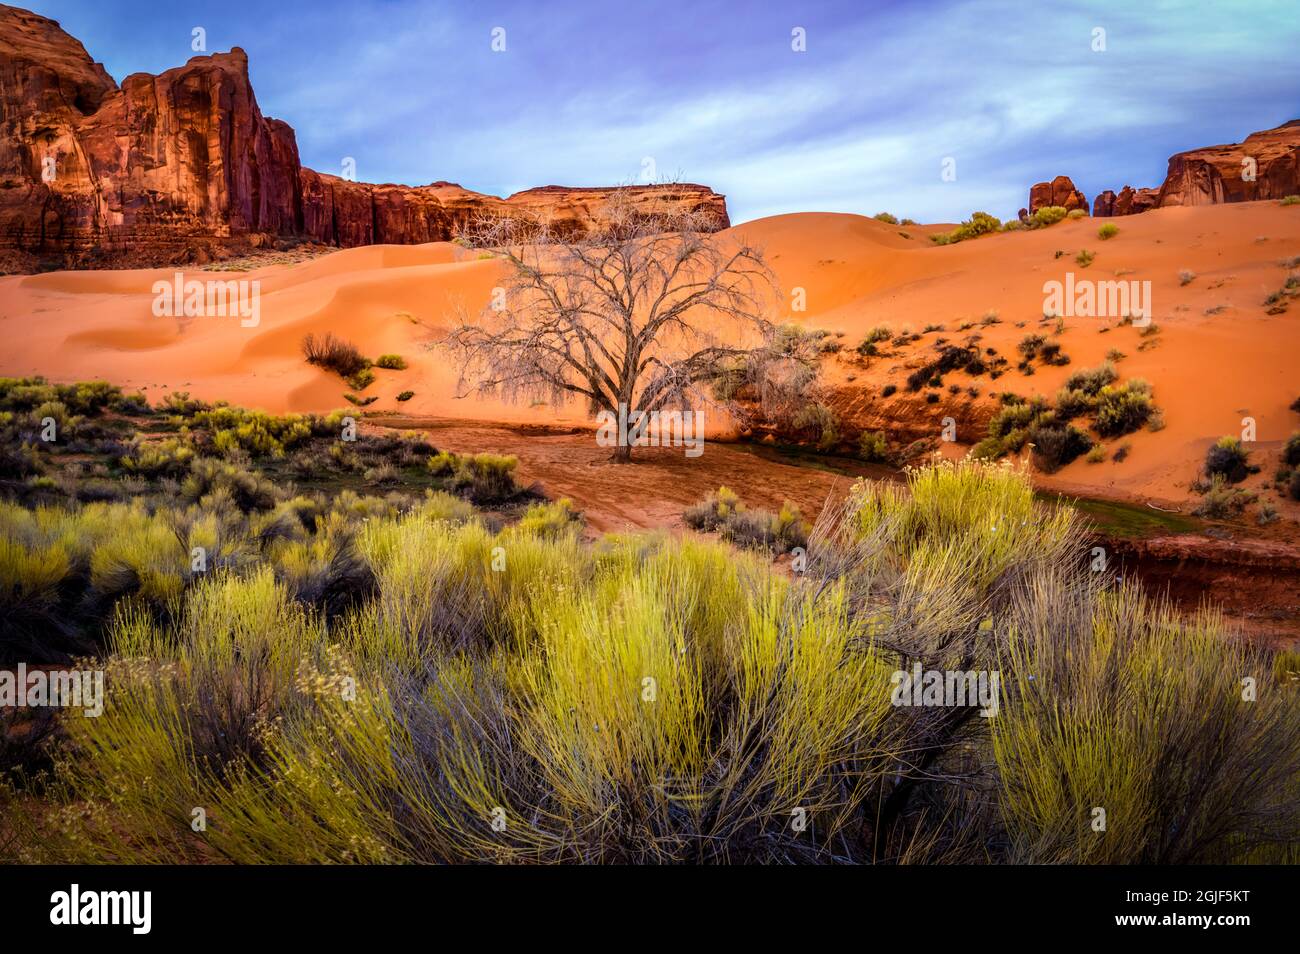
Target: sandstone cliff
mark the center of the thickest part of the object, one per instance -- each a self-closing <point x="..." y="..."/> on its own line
<point x="183" y="166"/>
<point x="1265" y="165"/>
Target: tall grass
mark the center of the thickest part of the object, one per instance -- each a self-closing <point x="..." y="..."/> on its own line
<point x="524" y="696"/>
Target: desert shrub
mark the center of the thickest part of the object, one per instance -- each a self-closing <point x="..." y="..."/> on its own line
<point x="713" y="510"/>
<point x="334" y="354"/>
<point x="208" y="476"/>
<point x="391" y="362"/>
<point x="31" y="575"/>
<point x="484" y="478"/>
<point x="1290" y="200"/>
<point x="876" y="335"/>
<point x="180" y="404"/>
<point x="1186" y="276"/>
<point x="1291" y="450"/>
<point x="166" y="458"/>
<point x="254" y="432"/>
<point x="822" y="421"/>
<point x="1076" y="214"/>
<point x="361" y="380"/>
<point x="450" y="690"/>
<point x="1047" y="215"/>
<point x="1084" y="258"/>
<point x="405" y="395"/>
<point x="1293" y="485"/>
<point x="873" y="447"/>
<point x="1090" y="381"/>
<point x="550" y="519"/>
<point x="1226" y="458"/>
<point x="1108" y="231"/>
<point x="1056" y="445"/>
<point x="1074" y="731"/>
<point x="381" y="474"/>
<point x="1097" y="455"/>
<point x="885" y="217"/>
<point x="1072" y="403"/>
<point x="1051" y="353"/>
<point x="980" y="223"/>
<point x="1123" y="409"/>
<point x="763" y="530"/>
<point x="132" y="405"/>
<point x="1221" y="501"/>
<point x="1030" y="345"/>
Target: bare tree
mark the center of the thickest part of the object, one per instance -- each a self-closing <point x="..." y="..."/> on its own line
<point x="637" y="313"/>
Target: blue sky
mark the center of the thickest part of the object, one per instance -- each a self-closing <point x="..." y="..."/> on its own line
<point x="712" y="92"/>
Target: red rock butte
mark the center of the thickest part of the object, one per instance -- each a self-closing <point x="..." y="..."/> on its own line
<point x="163" y="169"/>
<point x="1265" y="165"/>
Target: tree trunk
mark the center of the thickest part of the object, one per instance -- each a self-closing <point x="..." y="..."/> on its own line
<point x="622" y="454"/>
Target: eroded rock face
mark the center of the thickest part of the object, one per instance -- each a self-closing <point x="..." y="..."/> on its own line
<point x="165" y="168"/>
<point x="1130" y="201"/>
<point x="1265" y="165"/>
<point x="1060" y="191"/>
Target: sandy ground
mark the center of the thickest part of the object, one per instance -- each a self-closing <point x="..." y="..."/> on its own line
<point x="1218" y="357"/>
<point x="658" y="486"/>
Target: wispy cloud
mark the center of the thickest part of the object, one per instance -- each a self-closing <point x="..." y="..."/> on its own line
<point x="860" y="122"/>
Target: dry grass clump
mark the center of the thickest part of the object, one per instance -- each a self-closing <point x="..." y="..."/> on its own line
<point x="334" y="354"/>
<point x="750" y="528"/>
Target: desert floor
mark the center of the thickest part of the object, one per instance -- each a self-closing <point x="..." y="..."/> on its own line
<point x="1217" y="356"/>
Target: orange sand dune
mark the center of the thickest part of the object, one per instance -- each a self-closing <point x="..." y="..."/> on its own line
<point x="1216" y="359"/>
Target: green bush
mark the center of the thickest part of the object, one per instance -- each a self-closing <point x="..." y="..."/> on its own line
<point x="1123" y="409"/>
<point x="873" y="447"/>
<point x="1291" y="450"/>
<point x="361" y="380"/>
<point x="1226" y="458"/>
<point x="1056" y="445"/>
<point x="658" y="700"/>
<point x="1221" y="501"/>
<point x="822" y="421"/>
<point x="209" y="477"/>
<point x="1047" y="215"/>
<point x="1108" y="231"/>
<point x="716" y="508"/>
<point x="980" y="223"/>
<point x="391" y="362"/>
<point x="1090" y="381"/>
<point x="484" y="478"/>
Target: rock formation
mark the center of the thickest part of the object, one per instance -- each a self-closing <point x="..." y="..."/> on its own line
<point x="1060" y="191"/>
<point x="1265" y="165"/>
<point x="1130" y="201"/>
<point x="181" y="166"/>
